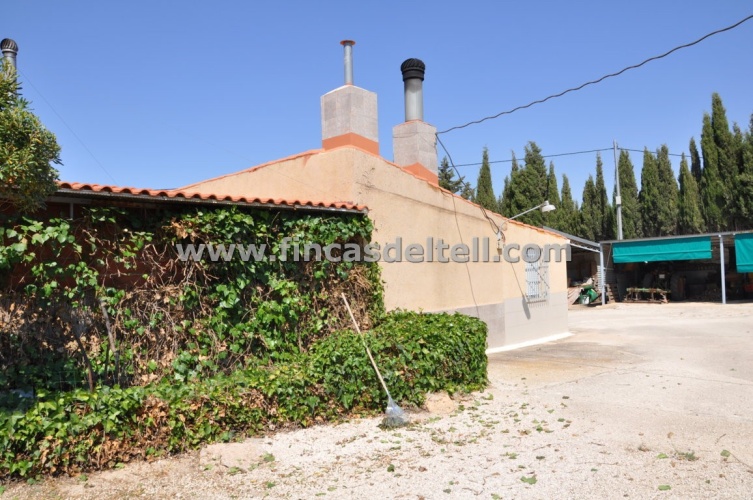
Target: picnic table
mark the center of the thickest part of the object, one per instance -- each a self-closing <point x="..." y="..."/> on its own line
<point x="636" y="294"/>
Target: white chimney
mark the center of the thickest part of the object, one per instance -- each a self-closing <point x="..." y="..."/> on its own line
<point x="349" y="113"/>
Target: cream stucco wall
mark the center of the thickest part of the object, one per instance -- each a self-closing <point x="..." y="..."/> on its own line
<point x="407" y="207"/>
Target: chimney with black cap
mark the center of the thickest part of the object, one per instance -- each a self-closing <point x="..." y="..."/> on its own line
<point x="349" y="113"/>
<point x="10" y="51"/>
<point x="415" y="141"/>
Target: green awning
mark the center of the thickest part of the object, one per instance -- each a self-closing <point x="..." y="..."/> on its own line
<point x="662" y="250"/>
<point x="744" y="252"/>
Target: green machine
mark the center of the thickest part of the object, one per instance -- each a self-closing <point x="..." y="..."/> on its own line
<point x="587" y="295"/>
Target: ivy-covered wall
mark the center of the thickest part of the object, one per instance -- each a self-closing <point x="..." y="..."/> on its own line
<point x="64" y="280"/>
<point x="112" y="348"/>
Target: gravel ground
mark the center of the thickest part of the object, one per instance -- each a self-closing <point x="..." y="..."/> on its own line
<point x="643" y="401"/>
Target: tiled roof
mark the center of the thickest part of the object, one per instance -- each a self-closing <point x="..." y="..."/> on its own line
<point x="183" y="196"/>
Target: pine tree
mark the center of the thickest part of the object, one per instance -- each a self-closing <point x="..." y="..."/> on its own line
<point x="528" y="186"/>
<point x="668" y="194"/>
<point x="712" y="187"/>
<point x="568" y="211"/>
<point x="695" y="162"/>
<point x="601" y="203"/>
<point x="631" y="215"/>
<point x="589" y="223"/>
<point x="649" y="195"/>
<point x="484" y="190"/>
<point x="468" y="192"/>
<point x="690" y="220"/>
<point x="447" y="178"/>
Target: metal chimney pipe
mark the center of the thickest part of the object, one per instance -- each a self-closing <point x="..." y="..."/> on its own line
<point x="10" y="50"/>
<point x="413" y="79"/>
<point x="348" y="48"/>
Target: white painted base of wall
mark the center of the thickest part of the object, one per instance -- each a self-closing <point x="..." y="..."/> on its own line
<point x="529" y="343"/>
<point x="517" y="323"/>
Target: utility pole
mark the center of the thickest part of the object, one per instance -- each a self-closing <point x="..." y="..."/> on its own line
<point x="617" y="198"/>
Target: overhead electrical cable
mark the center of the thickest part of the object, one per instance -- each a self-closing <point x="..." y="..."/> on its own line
<point x="593" y="82"/>
<point x="26" y="78"/>
<point x="565" y="154"/>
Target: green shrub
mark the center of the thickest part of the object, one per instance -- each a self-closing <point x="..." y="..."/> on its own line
<point x="416" y="353"/>
<point x="77" y="431"/>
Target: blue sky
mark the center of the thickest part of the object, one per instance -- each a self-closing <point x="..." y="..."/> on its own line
<point x="165" y="93"/>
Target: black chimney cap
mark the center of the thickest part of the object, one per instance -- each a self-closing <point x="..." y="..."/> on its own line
<point x="8" y="44"/>
<point x="413" y="68"/>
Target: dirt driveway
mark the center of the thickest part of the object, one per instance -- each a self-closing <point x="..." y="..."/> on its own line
<point x="643" y="401"/>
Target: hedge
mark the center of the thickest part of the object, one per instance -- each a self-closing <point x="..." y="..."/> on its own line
<point x="76" y="431"/>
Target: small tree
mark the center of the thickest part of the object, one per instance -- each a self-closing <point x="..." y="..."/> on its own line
<point x="27" y="150"/>
<point x="447" y="178"/>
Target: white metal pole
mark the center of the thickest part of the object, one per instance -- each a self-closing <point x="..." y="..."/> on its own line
<point x="721" y="258"/>
<point x="603" y="274"/>
<point x="618" y="198"/>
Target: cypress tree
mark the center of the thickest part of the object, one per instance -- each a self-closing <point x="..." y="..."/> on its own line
<point x="712" y="188"/>
<point x="649" y="195"/>
<point x="695" y="162"/>
<point x="734" y="210"/>
<point x="568" y="211"/>
<point x="631" y="215"/>
<point x="588" y="220"/>
<point x="724" y="142"/>
<point x="508" y="191"/>
<point x="552" y="219"/>
<point x="601" y="203"/>
<point x="690" y="220"/>
<point x="743" y="196"/>
<point x="484" y="190"/>
<point x="668" y="194"/>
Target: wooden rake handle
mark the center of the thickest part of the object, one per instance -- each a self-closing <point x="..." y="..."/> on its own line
<point x="363" y="339"/>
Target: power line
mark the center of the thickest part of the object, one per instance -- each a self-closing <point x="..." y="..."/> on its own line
<point x="543" y="156"/>
<point x="593" y="82"/>
<point x="652" y="152"/>
<point x="68" y="127"/>
<point x="563" y="154"/>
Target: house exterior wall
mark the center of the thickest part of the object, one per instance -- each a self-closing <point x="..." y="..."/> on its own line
<point x="402" y="205"/>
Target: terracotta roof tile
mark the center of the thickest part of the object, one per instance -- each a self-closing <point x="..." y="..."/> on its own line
<point x="180" y="195"/>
